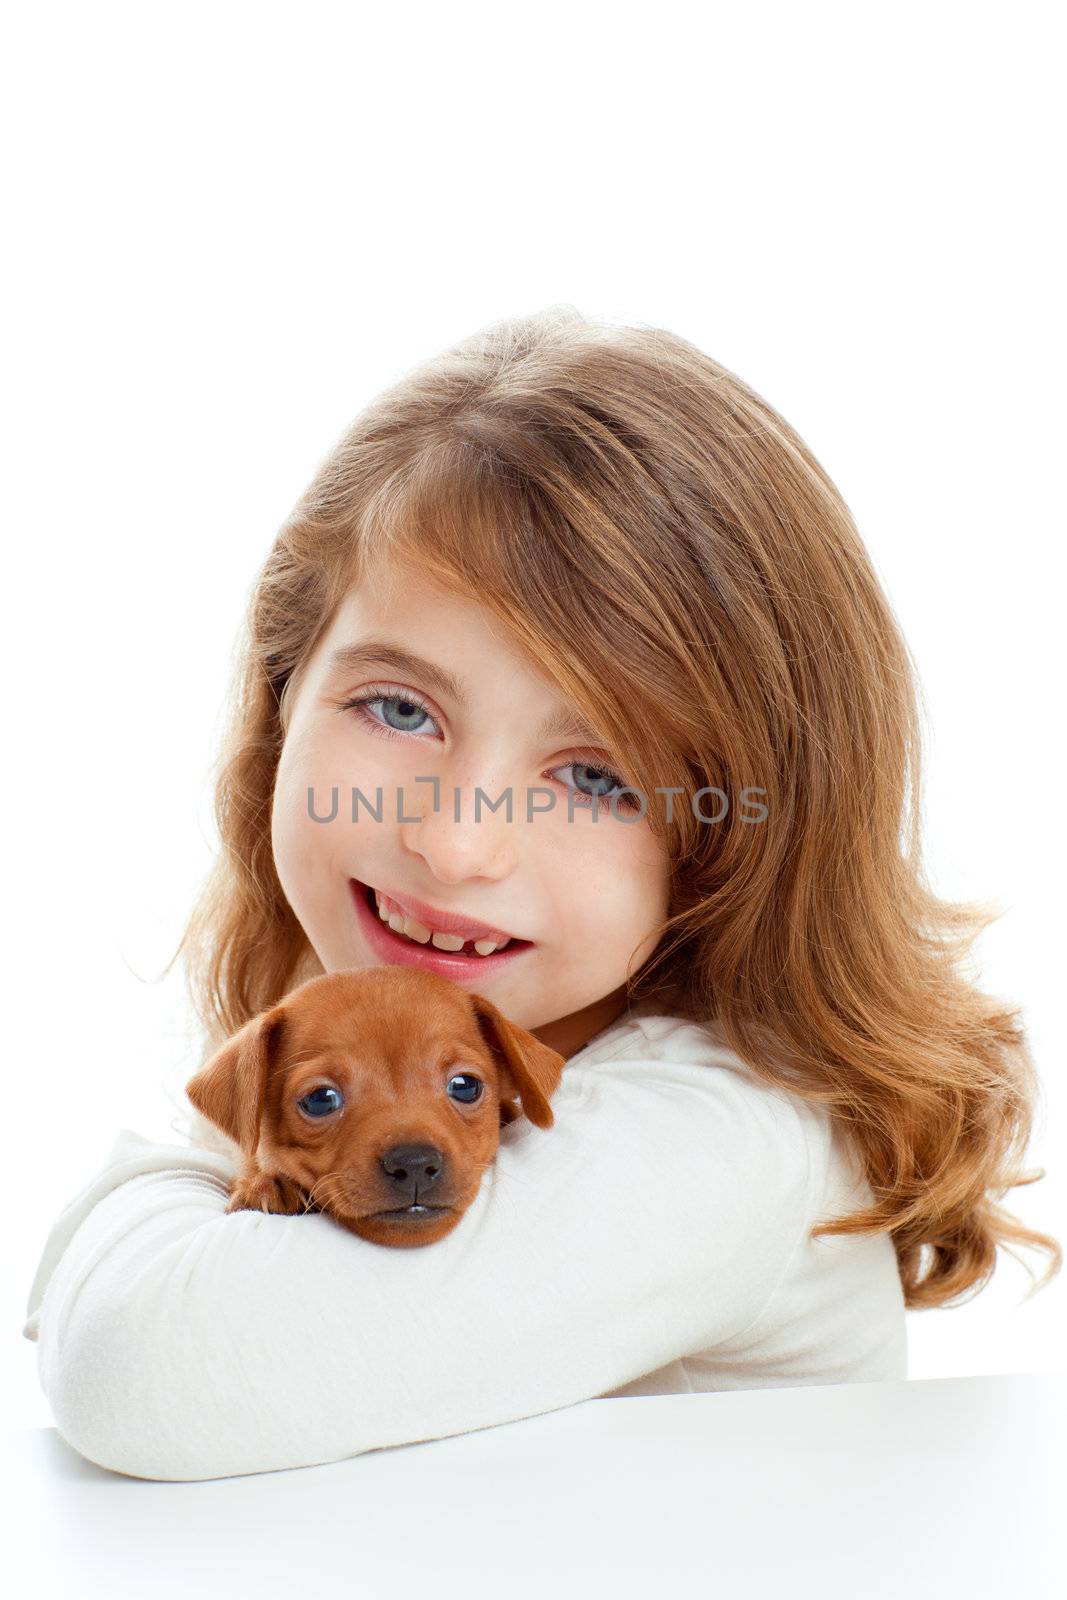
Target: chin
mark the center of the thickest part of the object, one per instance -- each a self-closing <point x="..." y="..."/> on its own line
<point x="401" y="1232"/>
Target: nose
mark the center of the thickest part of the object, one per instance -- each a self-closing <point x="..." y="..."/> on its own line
<point x="454" y="841"/>
<point x="411" y="1166"/>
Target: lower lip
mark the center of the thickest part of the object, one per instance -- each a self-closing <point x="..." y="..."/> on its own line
<point x="417" y="1212"/>
<point x="394" y="950"/>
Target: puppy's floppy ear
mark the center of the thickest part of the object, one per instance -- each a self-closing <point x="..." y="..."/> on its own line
<point x="528" y="1067"/>
<point x="230" y="1089"/>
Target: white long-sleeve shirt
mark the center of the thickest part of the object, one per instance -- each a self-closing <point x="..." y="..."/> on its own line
<point x="655" y="1240"/>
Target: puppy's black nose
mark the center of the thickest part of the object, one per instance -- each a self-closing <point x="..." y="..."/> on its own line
<point x="412" y="1166"/>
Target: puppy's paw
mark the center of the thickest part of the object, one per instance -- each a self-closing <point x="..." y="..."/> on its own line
<point x="270" y="1192"/>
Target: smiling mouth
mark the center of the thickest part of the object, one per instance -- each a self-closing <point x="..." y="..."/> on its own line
<point x="467" y="958"/>
<point x="469" y="941"/>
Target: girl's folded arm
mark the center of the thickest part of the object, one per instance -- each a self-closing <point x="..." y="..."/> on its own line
<point x="654" y="1219"/>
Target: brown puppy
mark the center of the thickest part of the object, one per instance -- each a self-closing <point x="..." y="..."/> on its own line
<point x="376" y="1095"/>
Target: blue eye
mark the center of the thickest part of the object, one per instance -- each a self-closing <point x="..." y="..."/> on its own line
<point x="407" y="709"/>
<point x="469" y="1090"/>
<point x="322" y="1102"/>
<point x="603" y="783"/>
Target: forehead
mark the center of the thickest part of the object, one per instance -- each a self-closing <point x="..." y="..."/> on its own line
<point x="385" y="1038"/>
<point x="387" y="1015"/>
<point x="398" y="598"/>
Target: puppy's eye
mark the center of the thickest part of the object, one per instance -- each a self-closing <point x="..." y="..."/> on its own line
<point x="322" y="1102"/>
<point x="465" y="1087"/>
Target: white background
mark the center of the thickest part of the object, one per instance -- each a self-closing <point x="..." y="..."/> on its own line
<point x="229" y="226"/>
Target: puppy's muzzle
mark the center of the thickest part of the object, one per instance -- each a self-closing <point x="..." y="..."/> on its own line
<point x="415" y="1174"/>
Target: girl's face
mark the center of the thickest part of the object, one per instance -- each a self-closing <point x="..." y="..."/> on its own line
<point x="584" y="895"/>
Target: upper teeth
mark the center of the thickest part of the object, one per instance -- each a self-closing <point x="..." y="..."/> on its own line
<point x="411" y="928"/>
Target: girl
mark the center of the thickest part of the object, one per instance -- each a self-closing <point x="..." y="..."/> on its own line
<point x="584" y="564"/>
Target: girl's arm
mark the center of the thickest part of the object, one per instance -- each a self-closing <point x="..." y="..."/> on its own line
<point x="654" y="1219"/>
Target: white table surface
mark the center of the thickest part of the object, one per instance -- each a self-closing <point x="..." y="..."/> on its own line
<point x="882" y="1491"/>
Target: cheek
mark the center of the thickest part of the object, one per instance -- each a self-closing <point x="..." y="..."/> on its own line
<point x="614" y="886"/>
<point x="298" y="841"/>
<point x="306" y="849"/>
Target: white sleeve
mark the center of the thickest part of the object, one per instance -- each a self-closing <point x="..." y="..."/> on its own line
<point x="654" y="1219"/>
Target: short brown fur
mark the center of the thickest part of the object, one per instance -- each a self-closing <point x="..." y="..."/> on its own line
<point x="389" y="1039"/>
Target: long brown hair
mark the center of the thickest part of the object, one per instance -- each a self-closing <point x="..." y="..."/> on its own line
<point x="671" y="555"/>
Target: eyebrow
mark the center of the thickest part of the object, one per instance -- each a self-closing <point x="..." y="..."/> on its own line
<point x="405" y="663"/>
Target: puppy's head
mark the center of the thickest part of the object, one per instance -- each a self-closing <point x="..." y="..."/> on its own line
<point x="380" y="1092"/>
